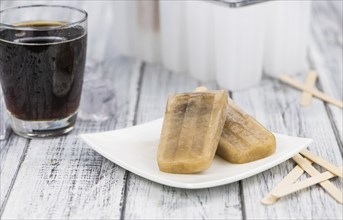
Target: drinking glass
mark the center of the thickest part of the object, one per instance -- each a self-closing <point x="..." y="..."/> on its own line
<point x="42" y="61"/>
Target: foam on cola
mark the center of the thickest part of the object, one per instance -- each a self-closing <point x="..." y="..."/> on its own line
<point x="41" y="69"/>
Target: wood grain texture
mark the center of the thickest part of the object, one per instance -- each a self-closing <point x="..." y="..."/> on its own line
<point x="12" y="154"/>
<point x="326" y="54"/>
<point x="149" y="200"/>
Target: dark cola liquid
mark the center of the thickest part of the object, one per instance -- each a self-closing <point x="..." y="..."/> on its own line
<point x="41" y="70"/>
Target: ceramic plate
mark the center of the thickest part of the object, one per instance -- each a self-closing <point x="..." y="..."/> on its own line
<point x="135" y="150"/>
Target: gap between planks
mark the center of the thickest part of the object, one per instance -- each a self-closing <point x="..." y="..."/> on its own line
<point x="240" y="184"/>
<point x="140" y="68"/>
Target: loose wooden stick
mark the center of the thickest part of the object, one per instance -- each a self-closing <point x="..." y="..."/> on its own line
<point x="306" y="97"/>
<point x="292" y="176"/>
<point x="303" y="184"/>
<point x="327" y="185"/>
<point x="315" y="92"/>
<point x="327" y="165"/>
<point x="200" y="89"/>
<point x="270" y="199"/>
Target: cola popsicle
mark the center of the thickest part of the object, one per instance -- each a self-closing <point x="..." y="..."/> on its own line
<point x="244" y="139"/>
<point x="191" y="130"/>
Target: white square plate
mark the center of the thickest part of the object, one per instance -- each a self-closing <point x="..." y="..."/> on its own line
<point x="135" y="149"/>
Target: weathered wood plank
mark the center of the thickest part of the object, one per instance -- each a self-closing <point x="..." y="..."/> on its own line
<point x="149" y="200"/>
<point x="280" y="111"/>
<point x="12" y="154"/>
<point x="326" y="54"/>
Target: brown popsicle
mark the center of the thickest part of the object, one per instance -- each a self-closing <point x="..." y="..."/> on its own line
<point x="244" y="139"/>
<point x="192" y="127"/>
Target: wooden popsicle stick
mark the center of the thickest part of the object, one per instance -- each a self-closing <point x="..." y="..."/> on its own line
<point x="288" y="80"/>
<point x="320" y="161"/>
<point x="200" y="89"/>
<point x="303" y="184"/>
<point x="270" y="199"/>
<point x="327" y="185"/>
<point x="291" y="177"/>
<point x="306" y="97"/>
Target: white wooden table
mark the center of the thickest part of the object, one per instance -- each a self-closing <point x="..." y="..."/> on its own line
<point x="64" y="178"/>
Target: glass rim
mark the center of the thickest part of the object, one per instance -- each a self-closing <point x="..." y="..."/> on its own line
<point x="66" y="25"/>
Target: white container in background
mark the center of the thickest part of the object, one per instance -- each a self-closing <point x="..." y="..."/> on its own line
<point x="136" y="29"/>
<point x="230" y="41"/>
<point x="124" y="27"/>
<point x="200" y="40"/>
<point x="173" y="35"/>
<point x="239" y="45"/>
<point x="147" y="37"/>
<point x="287" y="37"/>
